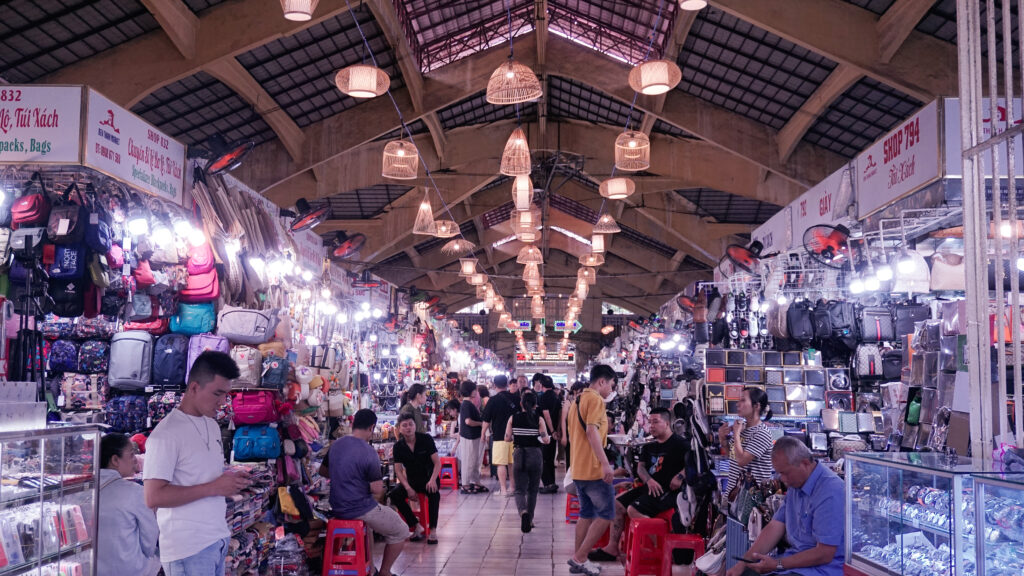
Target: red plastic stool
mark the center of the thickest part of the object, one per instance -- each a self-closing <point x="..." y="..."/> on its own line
<point x="423" y="515"/>
<point x="666" y="516"/>
<point x="572" y="508"/>
<point x="346" y="552"/>
<point x="643" y="546"/>
<point x="679" y="542"/>
<point x="449" y="472"/>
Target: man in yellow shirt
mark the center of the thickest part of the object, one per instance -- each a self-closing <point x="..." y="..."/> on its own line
<point x="591" y="472"/>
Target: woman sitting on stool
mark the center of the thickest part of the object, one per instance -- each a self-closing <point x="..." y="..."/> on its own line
<point x="418" y="468"/>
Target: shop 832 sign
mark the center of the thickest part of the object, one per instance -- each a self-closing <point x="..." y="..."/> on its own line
<point x="40" y="123"/>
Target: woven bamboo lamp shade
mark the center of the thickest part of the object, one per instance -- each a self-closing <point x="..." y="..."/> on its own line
<point x="489" y="301"/>
<point x="582" y="288"/>
<point x="537" y="306"/>
<point x="592" y="260"/>
<point x="457" y="247"/>
<point x="606" y="225"/>
<point x="446" y="228"/>
<point x="597" y="244"/>
<point x="477" y="279"/>
<point x="481" y="291"/>
<point x="531" y="272"/>
<point x="535" y="290"/>
<point x="504" y="319"/>
<point x="588" y="274"/>
<point x="424" y="224"/>
<point x="654" y="77"/>
<point x="499" y="303"/>
<point x="400" y="160"/>
<point x="512" y="83"/>
<point x="362" y="81"/>
<point x="515" y="160"/>
<point x="632" y="151"/>
<point x="522" y="192"/>
<point x="299" y="10"/>
<point x="535" y="282"/>
<point x="617" y="188"/>
<point x="530" y="255"/>
<point x="525" y="226"/>
<point x="467" y="267"/>
<point x="693" y="4"/>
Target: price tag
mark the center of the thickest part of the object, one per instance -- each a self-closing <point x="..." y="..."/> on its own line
<point x="60" y="401"/>
<point x="94" y="218"/>
<point x="148" y="389"/>
<point x="62" y="226"/>
<point x="149" y="422"/>
<point x="103" y="259"/>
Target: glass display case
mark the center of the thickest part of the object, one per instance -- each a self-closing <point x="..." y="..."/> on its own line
<point x="910" y="513"/>
<point x="1000" y="518"/>
<point x="49" y="491"/>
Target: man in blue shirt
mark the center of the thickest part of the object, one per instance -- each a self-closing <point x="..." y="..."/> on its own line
<point x="357" y="486"/>
<point x="811" y="519"/>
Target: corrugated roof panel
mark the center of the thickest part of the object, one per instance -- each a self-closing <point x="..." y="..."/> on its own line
<point x="621" y="30"/>
<point x="476" y="110"/>
<point x="729" y="208"/>
<point x="362" y="203"/>
<point x="574" y="100"/>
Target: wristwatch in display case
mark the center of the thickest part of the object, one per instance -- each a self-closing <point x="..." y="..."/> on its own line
<point x="910" y="514"/>
<point x="1000" y="518"/>
<point x="49" y="490"/>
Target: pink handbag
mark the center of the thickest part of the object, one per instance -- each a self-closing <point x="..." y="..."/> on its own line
<point x="253" y="407"/>
<point x="200" y="259"/>
<point x="203" y="287"/>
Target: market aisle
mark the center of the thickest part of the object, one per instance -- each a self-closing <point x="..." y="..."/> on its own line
<point x="479" y="534"/>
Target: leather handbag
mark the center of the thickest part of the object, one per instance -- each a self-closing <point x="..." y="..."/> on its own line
<point x="876" y="325"/>
<point x="200" y="259"/>
<point x="907" y="315"/>
<point x="67" y="220"/>
<point x="949" y="272"/>
<point x="868" y="362"/>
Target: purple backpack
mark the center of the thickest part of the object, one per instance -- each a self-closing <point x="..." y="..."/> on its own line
<point x="201" y="343"/>
<point x="94" y="357"/>
<point x="64" y="356"/>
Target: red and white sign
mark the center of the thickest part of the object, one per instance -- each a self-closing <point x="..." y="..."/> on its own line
<point x="825" y="203"/>
<point x="126" y="147"/>
<point x="776" y="234"/>
<point x="954" y="158"/>
<point x="40" y="124"/>
<point x="903" y="161"/>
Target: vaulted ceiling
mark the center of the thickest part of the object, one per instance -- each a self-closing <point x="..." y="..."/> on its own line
<point x="775" y="95"/>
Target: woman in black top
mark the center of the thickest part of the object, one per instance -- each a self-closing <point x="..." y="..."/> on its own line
<point x="417" y="466"/>
<point x="527" y="432"/>
<point x="471" y="449"/>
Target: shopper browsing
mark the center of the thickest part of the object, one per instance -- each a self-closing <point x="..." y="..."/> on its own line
<point x="591" y="471"/>
<point x="470" y="444"/>
<point x="810" y="519"/>
<point x="357" y="488"/>
<point x="527" y="433"/>
<point x="496" y="414"/>
<point x="412" y="403"/>
<point x="661" y="473"/>
<point x="549" y="407"/>
<point x="127" y="536"/>
<point x="418" y="468"/>
<point x="751" y="439"/>
<point x="184" y="473"/>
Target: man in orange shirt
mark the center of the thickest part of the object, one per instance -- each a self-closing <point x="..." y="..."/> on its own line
<point x="591" y="472"/>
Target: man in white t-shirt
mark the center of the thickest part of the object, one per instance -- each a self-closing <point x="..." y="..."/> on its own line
<point x="184" y="474"/>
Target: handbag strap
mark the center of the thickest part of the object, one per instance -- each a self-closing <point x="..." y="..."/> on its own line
<point x="35" y="178"/>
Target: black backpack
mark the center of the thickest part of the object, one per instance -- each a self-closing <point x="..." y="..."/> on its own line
<point x="68" y="297"/>
<point x="170" y="359"/>
<point x="843" y="318"/>
<point x="822" y="319"/>
<point x="799" y="322"/>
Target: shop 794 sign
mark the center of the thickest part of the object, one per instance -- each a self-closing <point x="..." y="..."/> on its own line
<point x="40" y="124"/>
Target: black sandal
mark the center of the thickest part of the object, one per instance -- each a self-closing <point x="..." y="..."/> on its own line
<point x="431" y="542"/>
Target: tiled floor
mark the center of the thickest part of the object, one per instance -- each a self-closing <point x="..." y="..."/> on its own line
<point x="479" y="534"/>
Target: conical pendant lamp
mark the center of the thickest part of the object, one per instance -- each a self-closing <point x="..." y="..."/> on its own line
<point x="512" y="83"/>
<point x="515" y="160"/>
<point x="424" y="224"/>
<point x="606" y="225"/>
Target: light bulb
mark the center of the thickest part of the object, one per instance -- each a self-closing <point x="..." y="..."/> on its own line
<point x="446" y="342"/>
<point x="138" y="226"/>
<point x="162" y="236"/>
<point x="765" y="306"/>
<point x="341" y="317"/>
<point x="693" y="4"/>
<point x="667" y="345"/>
<point x="232" y="246"/>
<point x="182" y="227"/>
<point x="682" y="347"/>
<point x="856" y="286"/>
<point x="871" y="283"/>
<point x="884" y="273"/>
<point x="257" y="263"/>
<point x="377" y="313"/>
<point x="306" y="294"/>
<point x="330" y="308"/>
<point x="376" y="375"/>
<point x="781" y="300"/>
<point x="365" y="306"/>
<point x="1020" y="263"/>
<point x="325" y="292"/>
<point x="1004" y="230"/>
<point x="373" y="337"/>
<point x="197" y="237"/>
<point x="677" y="337"/>
<point x="906" y="264"/>
<point x="307" y="275"/>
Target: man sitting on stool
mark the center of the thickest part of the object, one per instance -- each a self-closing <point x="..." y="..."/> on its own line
<point x="811" y="519"/>
<point x="661" y="469"/>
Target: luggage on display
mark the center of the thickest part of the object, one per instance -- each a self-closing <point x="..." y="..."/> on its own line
<point x="244" y="326"/>
<point x="252" y="443"/>
<point x="131" y="360"/>
<point x="799" y="322"/>
<point x="193" y="319"/>
<point x="250" y="365"/>
<point x="201" y="343"/>
<point x="170" y="358"/>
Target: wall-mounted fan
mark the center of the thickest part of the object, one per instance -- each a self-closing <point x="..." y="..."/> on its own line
<point x="741" y="259"/>
<point x="828" y="245"/>
<point x="346" y="246"/>
<point x="305" y="216"/>
<point x="365" y="280"/>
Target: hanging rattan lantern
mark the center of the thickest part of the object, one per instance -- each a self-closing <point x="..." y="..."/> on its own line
<point x="504" y="319"/>
<point x="299" y="10"/>
<point x="592" y="260"/>
<point x="531" y="272"/>
<point x="582" y="288"/>
<point x="400" y="160"/>
<point x="477" y="279"/>
<point x="481" y="292"/>
<point x="617" y="188"/>
<point x="525" y="226"/>
<point x="499" y="303"/>
<point x="606" y="225"/>
<point x="515" y="160"/>
<point x="489" y="301"/>
<point x="467" y="267"/>
<point x="574" y="304"/>
<point x="457" y="246"/>
<point x="597" y="244"/>
<point x="537" y="306"/>
<point x="588" y="274"/>
<point x="530" y="255"/>
<point x="512" y="83"/>
<point x="424" y="224"/>
<point x="446" y="228"/>
<point x="535" y="290"/>
<point x="362" y="81"/>
<point x="522" y="192"/>
<point x="654" y="77"/>
<point x="632" y="151"/>
<point x="535" y="282"/>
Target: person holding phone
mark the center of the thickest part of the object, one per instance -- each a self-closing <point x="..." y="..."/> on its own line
<point x="751" y="439"/>
<point x="810" y="520"/>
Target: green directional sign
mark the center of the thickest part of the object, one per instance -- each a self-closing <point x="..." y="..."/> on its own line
<point x="561" y="326"/>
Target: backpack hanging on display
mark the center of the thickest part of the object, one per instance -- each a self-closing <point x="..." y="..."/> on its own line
<point x="131" y="360"/>
<point x="67" y="220"/>
<point x="201" y="343"/>
<point x="94" y="357"/>
<point x="64" y="356"/>
<point x="144" y="308"/>
<point x="250" y="365"/>
<point x="868" y="362"/>
<point x="81" y="391"/>
<point x="822" y="321"/>
<point x="67" y="297"/>
<point x="253" y="407"/>
<point x="69" y="262"/>
<point x="275" y="372"/>
<point x="127" y="414"/>
<point x="32" y="208"/>
<point x="843" y="317"/>
<point x="98" y="235"/>
<point x="254" y="443"/>
<point x="876" y="325"/>
<point x="170" y="360"/>
<point x="245" y="326"/>
<point x="799" y="324"/>
<point x="160" y="405"/>
<point x="193" y="319"/>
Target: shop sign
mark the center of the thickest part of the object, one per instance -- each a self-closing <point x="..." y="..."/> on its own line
<point x="311" y="251"/>
<point x="777" y="233"/>
<point x="561" y="326"/>
<point x="903" y="161"/>
<point x="953" y="142"/>
<point x="40" y="124"/>
<point x="124" y="146"/>
<point x="824" y="203"/>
